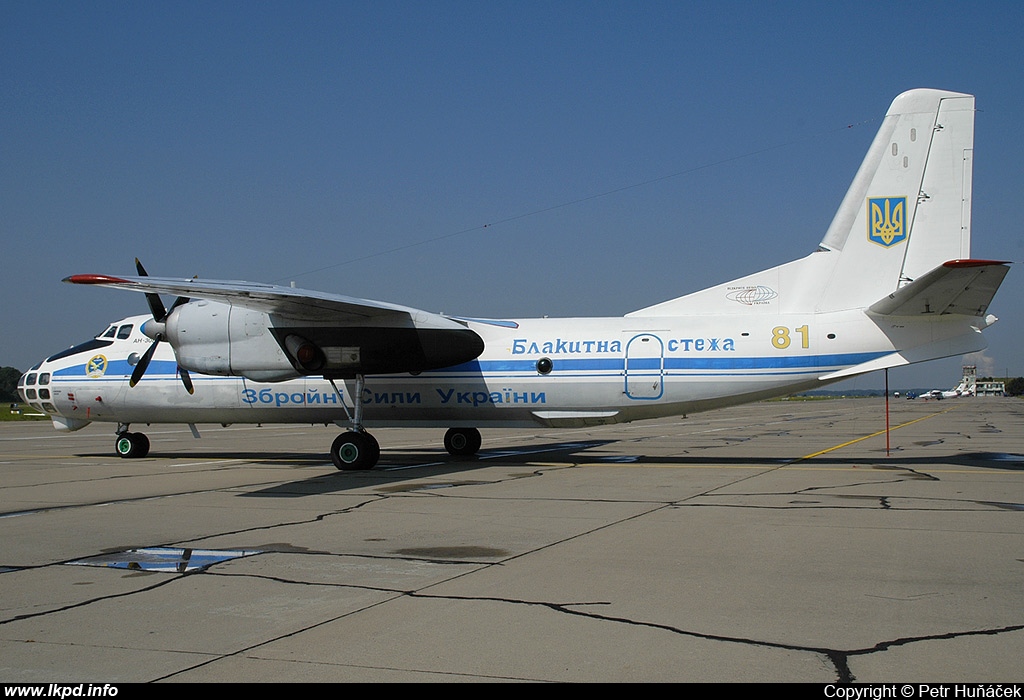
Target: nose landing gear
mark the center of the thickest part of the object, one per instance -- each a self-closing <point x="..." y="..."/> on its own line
<point x="131" y="445"/>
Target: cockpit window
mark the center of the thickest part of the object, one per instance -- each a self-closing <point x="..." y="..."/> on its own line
<point x="124" y="331"/>
<point x="110" y="332"/>
<point x="44" y="378"/>
<point x="30" y="380"/>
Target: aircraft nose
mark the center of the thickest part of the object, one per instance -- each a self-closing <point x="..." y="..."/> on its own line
<point x="34" y="388"/>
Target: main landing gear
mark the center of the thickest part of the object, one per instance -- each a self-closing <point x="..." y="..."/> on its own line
<point x="462" y="442"/>
<point x="358" y="450"/>
<point x="355" y="450"/>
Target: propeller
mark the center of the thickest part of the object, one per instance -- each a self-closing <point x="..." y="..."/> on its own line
<point x="155" y="329"/>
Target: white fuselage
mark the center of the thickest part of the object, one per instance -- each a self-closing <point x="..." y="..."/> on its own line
<point x="547" y="372"/>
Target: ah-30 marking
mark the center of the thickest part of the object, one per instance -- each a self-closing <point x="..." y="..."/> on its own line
<point x="891" y="283"/>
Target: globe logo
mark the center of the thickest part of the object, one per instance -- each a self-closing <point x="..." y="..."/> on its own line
<point x="752" y="295"/>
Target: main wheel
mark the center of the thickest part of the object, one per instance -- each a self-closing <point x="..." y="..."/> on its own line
<point x="132" y="445"/>
<point x="354" y="450"/>
<point x="462" y="442"/>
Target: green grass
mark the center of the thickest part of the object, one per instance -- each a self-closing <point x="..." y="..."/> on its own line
<point x="27" y="413"/>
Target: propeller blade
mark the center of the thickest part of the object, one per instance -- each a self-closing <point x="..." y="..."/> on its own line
<point x="160" y="314"/>
<point x="156" y="305"/>
<point x="177" y="302"/>
<point x="140" y="369"/>
<point x="186" y="380"/>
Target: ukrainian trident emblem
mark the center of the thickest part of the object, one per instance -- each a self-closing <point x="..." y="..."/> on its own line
<point x="887" y="220"/>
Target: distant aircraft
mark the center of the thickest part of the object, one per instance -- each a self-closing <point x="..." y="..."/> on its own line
<point x="892" y="283"/>
<point x="967" y="387"/>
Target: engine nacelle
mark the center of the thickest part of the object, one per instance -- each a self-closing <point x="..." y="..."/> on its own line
<point x="220" y="339"/>
<point x="223" y="339"/>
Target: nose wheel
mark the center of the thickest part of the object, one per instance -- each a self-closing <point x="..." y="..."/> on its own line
<point x="131" y="445"/>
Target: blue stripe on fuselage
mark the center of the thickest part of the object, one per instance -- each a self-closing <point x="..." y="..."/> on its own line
<point x="797" y="364"/>
<point x="119" y="368"/>
<point x="723" y="364"/>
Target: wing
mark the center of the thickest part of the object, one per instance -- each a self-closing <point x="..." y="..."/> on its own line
<point x="280" y="332"/>
<point x="271" y="299"/>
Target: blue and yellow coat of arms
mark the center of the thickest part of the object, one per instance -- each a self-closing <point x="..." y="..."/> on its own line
<point x="96" y="366"/>
<point x="887" y="217"/>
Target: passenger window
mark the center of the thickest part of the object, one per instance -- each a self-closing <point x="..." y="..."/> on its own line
<point x="124" y="331"/>
<point x="44" y="378"/>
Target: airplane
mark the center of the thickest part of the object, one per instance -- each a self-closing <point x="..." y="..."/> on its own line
<point x="891" y="283"/>
<point x="968" y="386"/>
<point x="962" y="389"/>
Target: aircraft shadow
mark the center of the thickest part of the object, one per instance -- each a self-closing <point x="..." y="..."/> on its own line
<point x="399" y="467"/>
<point x="294" y="459"/>
<point x="419" y="464"/>
<point x="396" y="468"/>
<point x="987" y="460"/>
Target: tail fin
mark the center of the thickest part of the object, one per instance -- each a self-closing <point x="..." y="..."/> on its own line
<point x="909" y="208"/>
<point x="907" y="212"/>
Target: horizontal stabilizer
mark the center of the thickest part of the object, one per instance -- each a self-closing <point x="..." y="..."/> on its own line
<point x="964" y="287"/>
<point x="960" y="344"/>
<point x="885" y="362"/>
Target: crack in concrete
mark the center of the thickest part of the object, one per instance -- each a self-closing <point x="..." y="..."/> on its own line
<point x="839" y="658"/>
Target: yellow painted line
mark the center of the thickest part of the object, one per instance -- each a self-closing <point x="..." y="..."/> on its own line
<point x="648" y="465"/>
<point x="788" y="464"/>
<point x="770" y="467"/>
<point x="876" y="434"/>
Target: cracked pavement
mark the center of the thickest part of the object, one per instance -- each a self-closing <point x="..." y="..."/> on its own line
<point x="772" y="542"/>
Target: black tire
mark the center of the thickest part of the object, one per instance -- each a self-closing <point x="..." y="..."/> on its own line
<point x="462" y="442"/>
<point x="354" y="451"/>
<point x="132" y="445"/>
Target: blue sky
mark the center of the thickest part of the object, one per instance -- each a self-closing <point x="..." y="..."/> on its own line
<point x="475" y="158"/>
